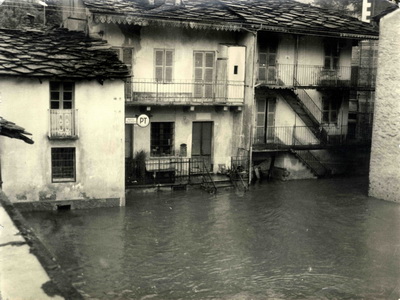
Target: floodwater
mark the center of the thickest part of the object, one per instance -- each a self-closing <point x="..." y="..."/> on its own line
<point x="311" y="239"/>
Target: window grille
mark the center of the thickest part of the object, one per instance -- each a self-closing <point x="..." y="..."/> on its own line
<point x="63" y="164"/>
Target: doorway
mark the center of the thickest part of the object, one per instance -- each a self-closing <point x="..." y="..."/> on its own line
<point x="202" y="142"/>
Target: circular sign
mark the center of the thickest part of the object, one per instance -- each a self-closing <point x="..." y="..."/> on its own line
<point x="143" y="121"/>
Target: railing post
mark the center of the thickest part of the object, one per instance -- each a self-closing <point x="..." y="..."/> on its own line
<point x="189" y="167"/>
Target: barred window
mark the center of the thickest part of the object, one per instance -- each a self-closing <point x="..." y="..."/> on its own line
<point x="63" y="164"/>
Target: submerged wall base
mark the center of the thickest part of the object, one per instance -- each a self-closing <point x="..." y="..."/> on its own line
<point x="67" y="204"/>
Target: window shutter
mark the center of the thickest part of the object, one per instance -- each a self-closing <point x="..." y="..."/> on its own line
<point x="262" y="58"/>
<point x="127" y="58"/>
<point x="159" y="64"/>
<point x="198" y="73"/>
<point x="169" y="60"/>
<point x="209" y="60"/>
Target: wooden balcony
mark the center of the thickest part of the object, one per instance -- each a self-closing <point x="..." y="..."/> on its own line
<point x="63" y="124"/>
<point x="314" y="76"/>
<point x="186" y="92"/>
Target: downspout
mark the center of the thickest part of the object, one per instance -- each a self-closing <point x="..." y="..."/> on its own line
<point x="253" y="120"/>
<point x="296" y="60"/>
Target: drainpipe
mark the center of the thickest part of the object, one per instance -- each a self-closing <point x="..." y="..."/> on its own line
<point x="1" y="180"/>
<point x="296" y="59"/>
<point x="253" y="120"/>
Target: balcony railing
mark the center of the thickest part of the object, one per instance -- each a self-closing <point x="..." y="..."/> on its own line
<point x="289" y="136"/>
<point x="317" y="76"/>
<point x="63" y="123"/>
<point x="187" y="91"/>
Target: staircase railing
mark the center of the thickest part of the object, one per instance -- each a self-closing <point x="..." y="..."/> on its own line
<point x="239" y="168"/>
<point x="310" y="160"/>
<point x="207" y="182"/>
<point x="314" y="112"/>
<point x="309" y="103"/>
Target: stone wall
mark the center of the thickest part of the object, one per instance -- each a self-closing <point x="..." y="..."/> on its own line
<point x="385" y="154"/>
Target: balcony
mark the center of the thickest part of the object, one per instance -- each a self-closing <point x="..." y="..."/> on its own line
<point x="63" y="124"/>
<point x="303" y="76"/>
<point x="186" y="92"/>
<point x="302" y="137"/>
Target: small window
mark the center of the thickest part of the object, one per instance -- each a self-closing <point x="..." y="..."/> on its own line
<point x="62" y="95"/>
<point x="162" y="138"/>
<point x="163" y="62"/>
<point x="63" y="164"/>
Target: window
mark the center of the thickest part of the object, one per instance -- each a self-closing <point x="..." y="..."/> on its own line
<point x="125" y="55"/>
<point x="329" y="111"/>
<point x="162" y="138"/>
<point x="203" y="73"/>
<point x="332" y="52"/>
<point x="63" y="164"/>
<point x="164" y="60"/>
<point x="62" y="95"/>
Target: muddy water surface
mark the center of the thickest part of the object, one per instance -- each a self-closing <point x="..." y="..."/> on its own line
<point x="313" y="239"/>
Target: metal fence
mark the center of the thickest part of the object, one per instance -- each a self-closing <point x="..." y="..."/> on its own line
<point x="285" y="136"/>
<point x="176" y="170"/>
<point x="316" y="75"/>
<point x="152" y="90"/>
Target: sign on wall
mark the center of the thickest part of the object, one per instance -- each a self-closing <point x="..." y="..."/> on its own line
<point x="143" y="120"/>
<point x="131" y="121"/>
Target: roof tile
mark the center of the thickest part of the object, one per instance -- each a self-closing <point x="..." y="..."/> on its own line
<point x="271" y="13"/>
<point x="58" y="53"/>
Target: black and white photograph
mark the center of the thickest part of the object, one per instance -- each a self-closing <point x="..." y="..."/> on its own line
<point x="199" y="149"/>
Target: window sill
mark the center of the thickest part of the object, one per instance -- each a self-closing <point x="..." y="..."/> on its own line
<point x="64" y="137"/>
<point x="62" y="180"/>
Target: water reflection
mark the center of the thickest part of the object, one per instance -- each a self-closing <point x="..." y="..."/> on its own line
<point x="313" y="239"/>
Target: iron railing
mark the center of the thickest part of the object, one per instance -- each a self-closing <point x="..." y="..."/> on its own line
<point x="286" y="136"/>
<point x="318" y="76"/>
<point x="187" y="91"/>
<point x="174" y="170"/>
<point x="63" y="123"/>
<point x="313" y="108"/>
<point x="239" y="172"/>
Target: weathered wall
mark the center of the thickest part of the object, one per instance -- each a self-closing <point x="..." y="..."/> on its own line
<point x="290" y="168"/>
<point x="222" y="133"/>
<point x="231" y="129"/>
<point x="26" y="169"/>
<point x="385" y="154"/>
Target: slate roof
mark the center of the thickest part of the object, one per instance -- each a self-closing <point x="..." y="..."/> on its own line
<point x="13" y="131"/>
<point x="270" y="15"/>
<point x="57" y="54"/>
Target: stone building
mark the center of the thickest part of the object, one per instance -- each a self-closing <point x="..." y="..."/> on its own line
<point x="385" y="155"/>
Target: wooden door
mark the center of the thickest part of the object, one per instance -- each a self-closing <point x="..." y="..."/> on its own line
<point x="202" y="142"/>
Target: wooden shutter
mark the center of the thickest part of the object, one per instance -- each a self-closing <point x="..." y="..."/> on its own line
<point x="260" y="122"/>
<point x="262" y="66"/>
<point x="169" y="60"/>
<point x="271" y="104"/>
<point x="127" y="60"/>
<point x="159" y="64"/>
<point x="198" y="74"/>
<point x="208" y="74"/>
